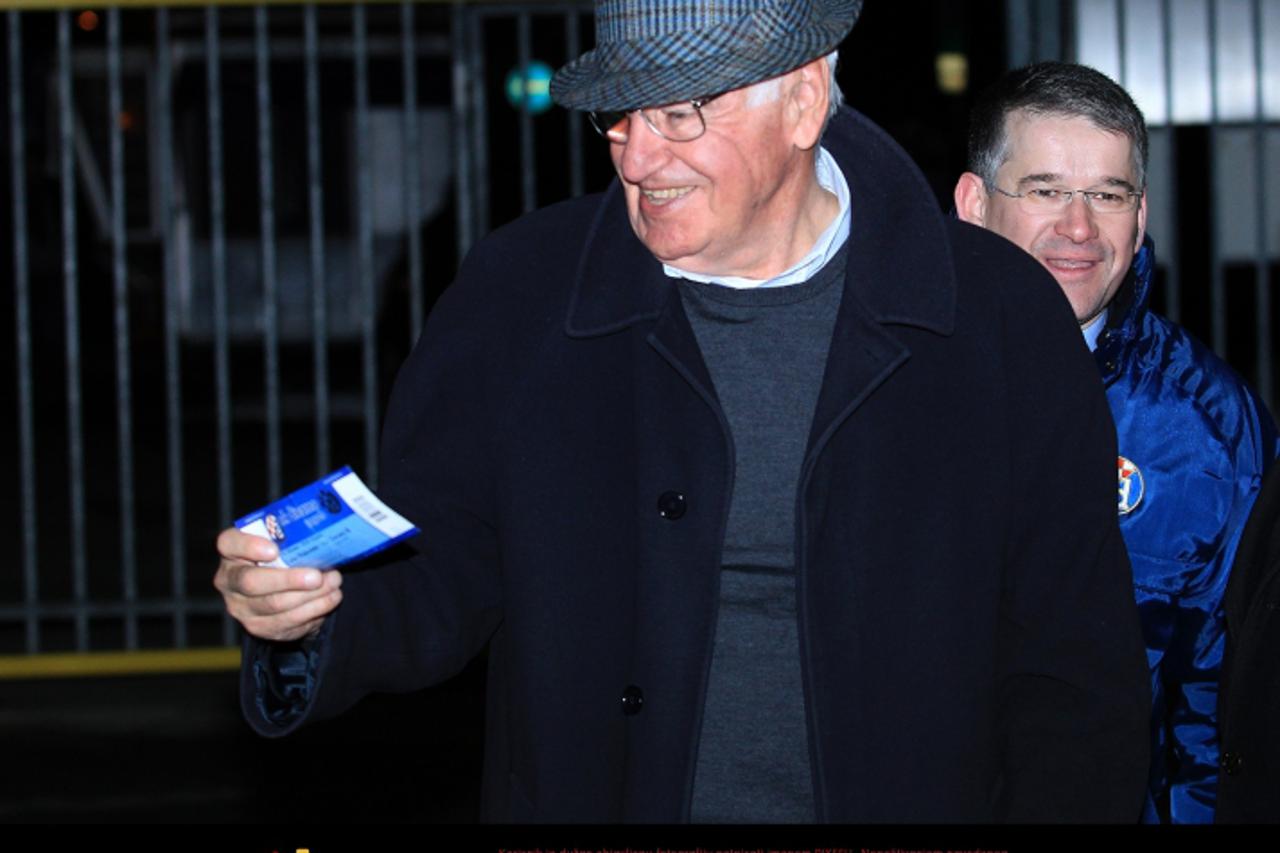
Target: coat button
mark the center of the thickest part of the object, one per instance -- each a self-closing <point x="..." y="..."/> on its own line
<point x="671" y="505"/>
<point x="632" y="700"/>
<point x="1231" y="763"/>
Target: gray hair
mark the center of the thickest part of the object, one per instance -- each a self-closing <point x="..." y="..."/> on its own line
<point x="1052" y="89"/>
<point x="835" y="96"/>
<point x="768" y="90"/>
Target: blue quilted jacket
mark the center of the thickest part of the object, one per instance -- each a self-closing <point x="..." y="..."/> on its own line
<point x="1194" y="442"/>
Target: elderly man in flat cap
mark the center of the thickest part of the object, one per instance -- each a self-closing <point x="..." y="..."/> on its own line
<point x="747" y="475"/>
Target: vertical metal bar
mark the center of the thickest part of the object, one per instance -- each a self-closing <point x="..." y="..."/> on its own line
<point x="124" y="389"/>
<point x="413" y="180"/>
<point x="528" y="166"/>
<point x="1121" y="46"/>
<point x="464" y="183"/>
<point x="573" y="47"/>
<point x="480" y="130"/>
<point x="70" y="276"/>
<point x="267" y="224"/>
<point x="218" y="269"/>
<point x="1050" y="16"/>
<point x="1065" y="30"/>
<point x="172" y="354"/>
<point x="218" y="257"/>
<point x="1217" y="285"/>
<point x="1037" y="30"/>
<point x="22" y="336"/>
<point x="1262" y="314"/>
<point x="364" y="226"/>
<point x="315" y="204"/>
<point x="1172" y="254"/>
<point x="1017" y="16"/>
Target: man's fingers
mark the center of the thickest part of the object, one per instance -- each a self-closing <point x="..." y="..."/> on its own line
<point x="296" y="623"/>
<point x="256" y="581"/>
<point x="290" y="600"/>
<point x="272" y="603"/>
<point x="235" y="545"/>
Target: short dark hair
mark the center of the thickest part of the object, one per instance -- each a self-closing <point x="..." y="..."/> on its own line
<point x="1052" y="89"/>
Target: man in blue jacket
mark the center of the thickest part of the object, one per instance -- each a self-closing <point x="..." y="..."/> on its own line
<point x="1057" y="159"/>
<point x="744" y="478"/>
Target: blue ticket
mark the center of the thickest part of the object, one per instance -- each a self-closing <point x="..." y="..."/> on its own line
<point x="335" y="520"/>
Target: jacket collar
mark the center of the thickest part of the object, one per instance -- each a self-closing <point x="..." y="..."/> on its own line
<point x="1130" y="305"/>
<point x="894" y="211"/>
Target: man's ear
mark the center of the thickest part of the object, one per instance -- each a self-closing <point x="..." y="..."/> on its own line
<point x="808" y="95"/>
<point x="1142" y="222"/>
<point x="971" y="199"/>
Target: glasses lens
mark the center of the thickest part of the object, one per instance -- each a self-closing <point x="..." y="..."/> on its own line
<point x="611" y="124"/>
<point x="1105" y="201"/>
<point x="1043" y="199"/>
<point x="677" y="122"/>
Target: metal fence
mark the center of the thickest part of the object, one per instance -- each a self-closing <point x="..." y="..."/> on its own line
<point x="230" y="220"/>
<point x="220" y="252"/>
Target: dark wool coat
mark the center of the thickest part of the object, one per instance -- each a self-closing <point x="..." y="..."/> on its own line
<point x="970" y="648"/>
<point x="1249" y="700"/>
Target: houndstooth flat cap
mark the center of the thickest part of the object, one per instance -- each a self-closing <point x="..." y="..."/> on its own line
<point x="653" y="52"/>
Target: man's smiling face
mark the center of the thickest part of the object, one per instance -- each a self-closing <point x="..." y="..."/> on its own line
<point x="1089" y="253"/>
<point x="714" y="204"/>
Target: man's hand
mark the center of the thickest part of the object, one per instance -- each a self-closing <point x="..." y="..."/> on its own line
<point x="272" y="603"/>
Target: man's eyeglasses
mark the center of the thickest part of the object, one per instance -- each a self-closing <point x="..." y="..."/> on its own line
<point x="682" y="122"/>
<point x="1037" y="200"/>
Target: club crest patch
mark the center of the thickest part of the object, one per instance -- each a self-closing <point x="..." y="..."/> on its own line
<point x="1131" y="486"/>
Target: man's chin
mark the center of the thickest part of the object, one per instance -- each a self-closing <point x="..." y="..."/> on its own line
<point x="670" y="251"/>
<point x="1081" y="292"/>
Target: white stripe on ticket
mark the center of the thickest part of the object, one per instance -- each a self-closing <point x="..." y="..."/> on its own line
<point x="365" y="504"/>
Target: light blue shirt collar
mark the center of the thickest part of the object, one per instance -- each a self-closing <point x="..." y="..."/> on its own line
<point x="830" y="178"/>
<point x="1094" y="329"/>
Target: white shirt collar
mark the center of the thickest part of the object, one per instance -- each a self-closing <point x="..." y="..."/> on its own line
<point x="1094" y="329"/>
<point x="829" y="242"/>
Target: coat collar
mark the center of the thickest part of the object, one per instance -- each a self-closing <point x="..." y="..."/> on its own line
<point x="1127" y="309"/>
<point x="618" y="283"/>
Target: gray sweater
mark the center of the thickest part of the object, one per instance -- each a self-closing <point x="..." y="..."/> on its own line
<point x="765" y="350"/>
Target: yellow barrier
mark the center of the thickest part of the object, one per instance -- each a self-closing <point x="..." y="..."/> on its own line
<point x="107" y="664"/>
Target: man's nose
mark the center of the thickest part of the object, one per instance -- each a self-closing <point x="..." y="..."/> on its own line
<point x="1076" y="220"/>
<point x="643" y="152"/>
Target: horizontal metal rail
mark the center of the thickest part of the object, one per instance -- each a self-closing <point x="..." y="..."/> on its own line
<point x="282" y="48"/>
<point x="117" y="664"/>
<point x="57" y="5"/>
<point x="165" y="606"/>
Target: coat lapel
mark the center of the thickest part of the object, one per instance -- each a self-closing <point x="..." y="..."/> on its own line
<point x="863" y="356"/>
<point x="674" y="340"/>
<point x="889" y="283"/>
<point x="617" y="283"/>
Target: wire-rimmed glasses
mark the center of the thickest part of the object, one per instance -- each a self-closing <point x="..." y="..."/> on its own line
<point x="679" y="122"/>
<point x="1049" y="199"/>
